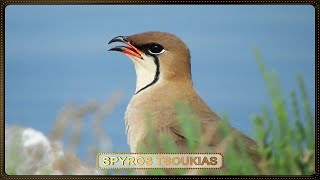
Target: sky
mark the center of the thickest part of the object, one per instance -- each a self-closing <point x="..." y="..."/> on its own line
<point x="56" y="54"/>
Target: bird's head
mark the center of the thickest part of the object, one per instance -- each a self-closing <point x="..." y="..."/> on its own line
<point x="157" y="56"/>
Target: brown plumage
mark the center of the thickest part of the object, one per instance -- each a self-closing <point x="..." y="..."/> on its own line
<point x="162" y="63"/>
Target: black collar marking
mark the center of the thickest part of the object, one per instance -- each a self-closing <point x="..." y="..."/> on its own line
<point x="156" y="76"/>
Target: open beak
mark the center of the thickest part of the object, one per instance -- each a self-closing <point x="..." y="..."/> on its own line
<point x="129" y="49"/>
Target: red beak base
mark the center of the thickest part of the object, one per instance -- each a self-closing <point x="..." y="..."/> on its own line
<point x="130" y="50"/>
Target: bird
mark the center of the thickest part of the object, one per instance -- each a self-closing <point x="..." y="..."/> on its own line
<point x="162" y="64"/>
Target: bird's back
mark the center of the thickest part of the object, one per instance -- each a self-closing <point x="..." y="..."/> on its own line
<point x="159" y="107"/>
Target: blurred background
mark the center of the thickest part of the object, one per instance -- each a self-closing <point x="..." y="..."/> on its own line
<point x="55" y="55"/>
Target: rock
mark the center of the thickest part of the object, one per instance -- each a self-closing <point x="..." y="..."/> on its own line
<point x="30" y="152"/>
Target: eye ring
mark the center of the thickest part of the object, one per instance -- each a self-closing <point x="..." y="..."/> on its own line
<point x="155" y="49"/>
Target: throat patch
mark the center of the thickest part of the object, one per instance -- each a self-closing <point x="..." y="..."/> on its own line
<point x="156" y="76"/>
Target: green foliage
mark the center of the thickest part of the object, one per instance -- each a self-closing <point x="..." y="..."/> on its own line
<point x="189" y="125"/>
<point x="286" y="139"/>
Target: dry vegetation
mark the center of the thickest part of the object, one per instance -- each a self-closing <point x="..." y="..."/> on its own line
<point x="46" y="155"/>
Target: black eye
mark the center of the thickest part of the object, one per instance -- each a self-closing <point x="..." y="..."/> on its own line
<point x="155" y="49"/>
